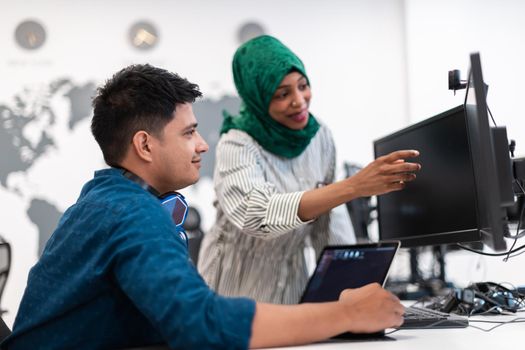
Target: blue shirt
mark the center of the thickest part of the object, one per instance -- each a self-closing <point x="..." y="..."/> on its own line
<point x="116" y="274"/>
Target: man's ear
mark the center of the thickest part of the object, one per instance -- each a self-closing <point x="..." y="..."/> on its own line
<point x="141" y="145"/>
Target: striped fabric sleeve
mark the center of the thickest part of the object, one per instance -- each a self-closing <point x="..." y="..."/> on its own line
<point x="330" y="170"/>
<point x="341" y="229"/>
<point x="249" y="202"/>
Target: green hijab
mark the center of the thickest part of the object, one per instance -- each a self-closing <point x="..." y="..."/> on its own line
<point x="259" y="66"/>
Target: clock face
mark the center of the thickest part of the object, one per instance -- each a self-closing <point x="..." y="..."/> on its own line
<point x="143" y="36"/>
<point x="249" y="31"/>
<point x="30" y="35"/>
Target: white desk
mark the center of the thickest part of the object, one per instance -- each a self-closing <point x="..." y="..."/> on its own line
<point x="512" y="334"/>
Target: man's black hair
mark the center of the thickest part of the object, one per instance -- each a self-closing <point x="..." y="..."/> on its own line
<point x="139" y="97"/>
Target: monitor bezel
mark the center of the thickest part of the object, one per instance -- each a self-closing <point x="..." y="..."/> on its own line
<point x="490" y="209"/>
<point x="489" y="202"/>
<point x="435" y="238"/>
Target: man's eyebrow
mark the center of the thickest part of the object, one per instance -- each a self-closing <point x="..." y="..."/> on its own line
<point x="189" y="127"/>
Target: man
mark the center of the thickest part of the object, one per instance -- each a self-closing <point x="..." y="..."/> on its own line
<point x="116" y="272"/>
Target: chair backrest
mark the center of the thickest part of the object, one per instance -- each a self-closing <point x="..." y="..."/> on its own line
<point x="4" y="330"/>
<point x="359" y="209"/>
<point x="5" y="265"/>
<point x="192" y="226"/>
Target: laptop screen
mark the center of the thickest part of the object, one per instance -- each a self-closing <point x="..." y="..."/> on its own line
<point x="352" y="266"/>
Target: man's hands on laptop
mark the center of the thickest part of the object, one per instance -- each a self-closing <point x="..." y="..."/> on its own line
<point x="371" y="309"/>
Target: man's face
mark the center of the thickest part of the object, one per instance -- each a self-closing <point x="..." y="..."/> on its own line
<point x="177" y="159"/>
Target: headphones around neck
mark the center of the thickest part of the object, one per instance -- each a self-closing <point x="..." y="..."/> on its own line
<point x="172" y="201"/>
<point x="138" y="180"/>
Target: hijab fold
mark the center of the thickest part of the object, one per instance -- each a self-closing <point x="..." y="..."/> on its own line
<point x="259" y="66"/>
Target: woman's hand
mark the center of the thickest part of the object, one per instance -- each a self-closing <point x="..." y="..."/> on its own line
<point x="385" y="174"/>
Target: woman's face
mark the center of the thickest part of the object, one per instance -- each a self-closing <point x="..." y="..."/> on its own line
<point x="289" y="104"/>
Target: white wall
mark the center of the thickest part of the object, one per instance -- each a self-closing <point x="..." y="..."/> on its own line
<point x="440" y="37"/>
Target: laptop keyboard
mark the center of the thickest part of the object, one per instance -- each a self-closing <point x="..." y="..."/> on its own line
<point x="420" y="317"/>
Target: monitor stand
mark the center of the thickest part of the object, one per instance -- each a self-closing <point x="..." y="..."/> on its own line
<point x="417" y="287"/>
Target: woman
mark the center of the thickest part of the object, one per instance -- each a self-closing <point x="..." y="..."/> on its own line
<point x="274" y="177"/>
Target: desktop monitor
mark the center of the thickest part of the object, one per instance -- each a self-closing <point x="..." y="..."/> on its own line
<point x="465" y="184"/>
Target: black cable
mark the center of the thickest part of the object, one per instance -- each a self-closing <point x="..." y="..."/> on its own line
<point x="489" y="254"/>
<point x="518" y="182"/>
<point x="437" y="323"/>
<point x="518" y="235"/>
<point x="491" y="117"/>
<point x="489" y="311"/>
<point x="515" y="255"/>
<point x="521" y="187"/>
<point x="511" y="304"/>
<point x="512" y="148"/>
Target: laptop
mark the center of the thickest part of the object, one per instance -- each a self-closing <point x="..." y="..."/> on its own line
<point x="350" y="266"/>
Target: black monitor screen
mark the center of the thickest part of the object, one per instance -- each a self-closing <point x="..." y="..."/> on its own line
<point x="440" y="205"/>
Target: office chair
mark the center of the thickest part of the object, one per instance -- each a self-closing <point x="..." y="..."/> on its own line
<point x="359" y="209"/>
<point x="5" y="266"/>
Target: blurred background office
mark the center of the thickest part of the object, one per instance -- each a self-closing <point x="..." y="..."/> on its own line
<point x="375" y="66"/>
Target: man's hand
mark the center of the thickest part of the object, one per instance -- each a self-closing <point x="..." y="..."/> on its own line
<point x="371" y="309"/>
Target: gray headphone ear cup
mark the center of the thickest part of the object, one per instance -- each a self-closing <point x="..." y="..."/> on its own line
<point x="478" y="307"/>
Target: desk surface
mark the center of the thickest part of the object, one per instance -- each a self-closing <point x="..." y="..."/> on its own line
<point x="441" y="339"/>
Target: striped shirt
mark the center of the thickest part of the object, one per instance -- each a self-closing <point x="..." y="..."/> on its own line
<point x="256" y="247"/>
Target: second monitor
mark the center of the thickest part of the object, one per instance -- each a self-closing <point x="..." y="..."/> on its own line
<point x="463" y="187"/>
